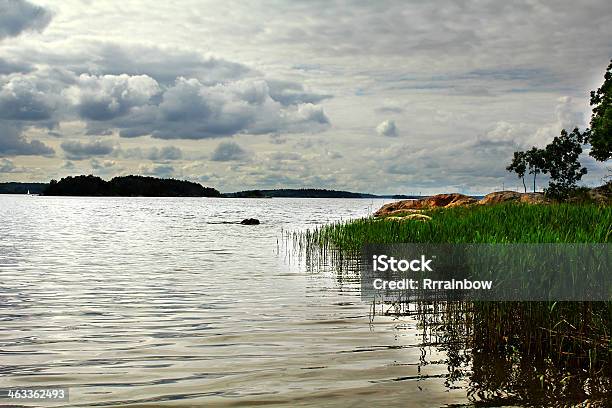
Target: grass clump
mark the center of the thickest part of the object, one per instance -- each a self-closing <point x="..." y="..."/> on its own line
<point x="504" y="223"/>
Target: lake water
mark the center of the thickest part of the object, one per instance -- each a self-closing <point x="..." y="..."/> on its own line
<point x="161" y="301"/>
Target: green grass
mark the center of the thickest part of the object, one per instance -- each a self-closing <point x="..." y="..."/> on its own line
<point x="573" y="337"/>
<point x="507" y="223"/>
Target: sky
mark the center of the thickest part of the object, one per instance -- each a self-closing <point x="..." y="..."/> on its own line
<point x="383" y="97"/>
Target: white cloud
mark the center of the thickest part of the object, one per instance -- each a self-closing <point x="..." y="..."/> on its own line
<point x="387" y="128"/>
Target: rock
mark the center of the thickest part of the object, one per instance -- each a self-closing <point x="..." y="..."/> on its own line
<point x="601" y="194"/>
<point x="417" y="217"/>
<point x="250" y="221"/>
<point x="398" y="208"/>
<point x="436" y="201"/>
<point x="534" y="198"/>
<point x="499" y="197"/>
<point x="401" y="213"/>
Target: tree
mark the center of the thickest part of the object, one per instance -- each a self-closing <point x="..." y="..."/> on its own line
<point x="536" y="160"/>
<point x="599" y="136"/>
<point x="561" y="158"/>
<point x="519" y="166"/>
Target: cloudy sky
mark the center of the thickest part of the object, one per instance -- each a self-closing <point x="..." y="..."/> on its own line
<point x="382" y="97"/>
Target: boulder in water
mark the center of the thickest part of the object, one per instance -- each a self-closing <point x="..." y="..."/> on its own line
<point x="250" y="221"/>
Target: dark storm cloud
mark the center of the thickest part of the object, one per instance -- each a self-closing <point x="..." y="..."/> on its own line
<point x="229" y="151"/>
<point x="17" y="16"/>
<point x="76" y="150"/>
<point x="13" y="143"/>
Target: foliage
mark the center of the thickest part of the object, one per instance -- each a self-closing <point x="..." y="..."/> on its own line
<point x="536" y="160"/>
<point x="128" y="186"/>
<point x="519" y="166"/>
<point x="600" y="133"/>
<point x="561" y="160"/>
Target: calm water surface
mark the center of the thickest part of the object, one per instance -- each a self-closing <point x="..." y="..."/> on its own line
<point x="162" y="302"/>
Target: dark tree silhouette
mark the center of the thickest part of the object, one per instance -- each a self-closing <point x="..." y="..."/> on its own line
<point x="599" y="136"/>
<point x="536" y="161"/>
<point x="128" y="186"/>
<point x="561" y="157"/>
<point x="519" y="166"/>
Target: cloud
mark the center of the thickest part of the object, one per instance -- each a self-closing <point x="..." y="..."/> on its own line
<point x="7" y="166"/>
<point x="27" y="98"/>
<point x="165" y="153"/>
<point x="68" y="165"/>
<point x="14" y="143"/>
<point x="567" y="116"/>
<point x="293" y="93"/>
<point x="101" y="165"/>
<point x="106" y="97"/>
<point x="153" y="153"/>
<point x="390" y="109"/>
<point x="190" y="109"/>
<point x="159" y="170"/>
<point x="290" y="156"/>
<point x="17" y="16"/>
<point x="229" y="151"/>
<point x="10" y="66"/>
<point x="162" y="63"/>
<point x="387" y="128"/>
<point x="76" y="150"/>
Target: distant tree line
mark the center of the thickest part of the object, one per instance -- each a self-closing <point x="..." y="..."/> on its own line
<point x="130" y="186"/>
<point x="298" y="193"/>
<point x="559" y="158"/>
<point x="22" y="188"/>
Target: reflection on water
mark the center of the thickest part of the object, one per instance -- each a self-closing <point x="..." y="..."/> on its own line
<point x="147" y="301"/>
<point x="500" y="353"/>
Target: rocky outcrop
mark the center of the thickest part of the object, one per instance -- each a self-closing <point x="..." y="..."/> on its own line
<point x="499" y="197"/>
<point x="601" y="194"/>
<point x="399" y="208"/>
<point x="436" y="201"/>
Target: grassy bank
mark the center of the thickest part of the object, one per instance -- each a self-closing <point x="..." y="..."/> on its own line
<point x="548" y="350"/>
<point x="507" y="223"/>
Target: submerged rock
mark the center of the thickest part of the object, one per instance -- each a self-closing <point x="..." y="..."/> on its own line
<point x="250" y="221"/>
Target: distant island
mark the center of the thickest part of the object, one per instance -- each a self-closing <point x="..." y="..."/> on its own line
<point x="22" y="188"/>
<point x="309" y="193"/>
<point x="132" y="186"/>
<point x="127" y="186"/>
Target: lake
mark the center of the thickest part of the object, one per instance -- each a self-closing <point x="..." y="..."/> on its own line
<point x="147" y="301"/>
